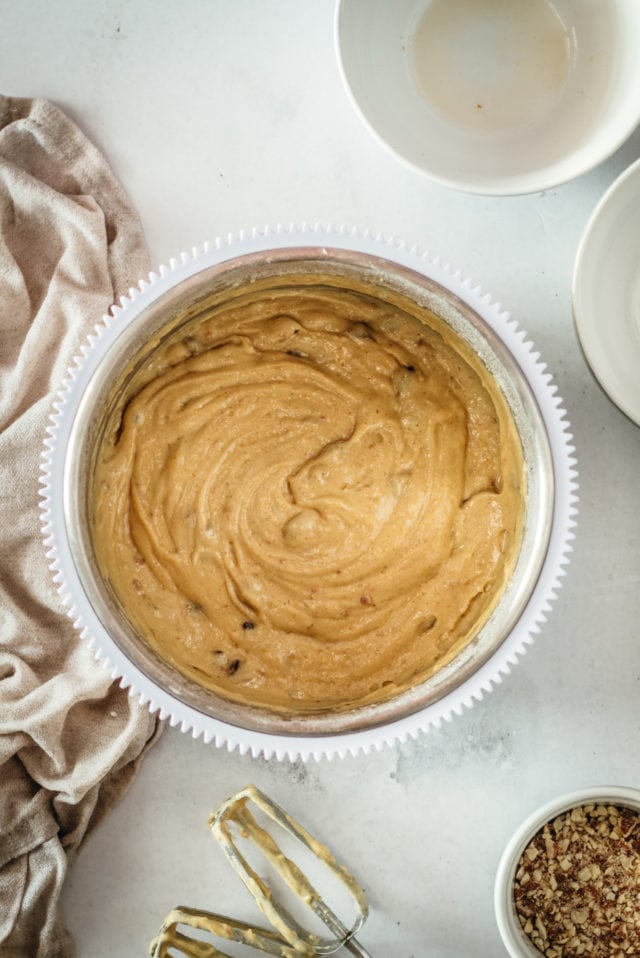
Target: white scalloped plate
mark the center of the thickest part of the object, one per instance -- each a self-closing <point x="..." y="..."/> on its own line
<point x="58" y="546"/>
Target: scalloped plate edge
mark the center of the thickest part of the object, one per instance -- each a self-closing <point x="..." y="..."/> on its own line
<point x="297" y="747"/>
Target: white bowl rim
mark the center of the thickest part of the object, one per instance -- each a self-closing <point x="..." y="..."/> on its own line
<point x="513" y="938"/>
<point x="628" y="406"/>
<point x="546" y="178"/>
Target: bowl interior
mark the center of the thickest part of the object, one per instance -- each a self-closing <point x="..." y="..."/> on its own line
<point x="168" y="316"/>
<point x="493" y="96"/>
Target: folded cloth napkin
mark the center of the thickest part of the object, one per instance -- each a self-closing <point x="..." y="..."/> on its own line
<point x="70" y="739"/>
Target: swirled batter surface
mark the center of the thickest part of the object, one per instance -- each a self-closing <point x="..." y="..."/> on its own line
<point x="313" y="501"/>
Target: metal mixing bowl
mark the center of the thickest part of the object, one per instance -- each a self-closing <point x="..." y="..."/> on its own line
<point x="114" y="380"/>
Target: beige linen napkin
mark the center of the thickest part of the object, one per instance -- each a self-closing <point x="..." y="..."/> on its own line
<point x="70" y="740"/>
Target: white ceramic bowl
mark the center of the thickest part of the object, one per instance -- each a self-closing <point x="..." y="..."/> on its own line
<point x="516" y="942"/>
<point x="606" y="292"/>
<point x="494" y="96"/>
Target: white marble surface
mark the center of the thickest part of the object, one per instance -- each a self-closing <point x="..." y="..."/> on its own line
<point x="220" y="115"/>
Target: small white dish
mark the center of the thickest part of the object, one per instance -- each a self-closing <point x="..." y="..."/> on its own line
<point x="494" y="96"/>
<point x="518" y="945"/>
<point x="606" y="292"/>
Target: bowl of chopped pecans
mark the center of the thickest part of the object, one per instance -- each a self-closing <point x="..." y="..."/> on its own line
<point x="568" y="882"/>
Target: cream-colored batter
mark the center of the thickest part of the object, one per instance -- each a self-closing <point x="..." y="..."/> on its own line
<point x="313" y="502"/>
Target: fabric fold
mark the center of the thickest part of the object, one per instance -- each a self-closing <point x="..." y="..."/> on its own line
<point x="70" y="739"/>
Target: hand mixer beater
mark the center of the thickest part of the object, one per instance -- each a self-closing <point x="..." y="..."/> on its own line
<point x="237" y="829"/>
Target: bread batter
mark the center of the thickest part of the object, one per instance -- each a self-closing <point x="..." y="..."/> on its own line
<point x="313" y="501"/>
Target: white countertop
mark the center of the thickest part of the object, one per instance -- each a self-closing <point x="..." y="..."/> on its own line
<point x="219" y="116"/>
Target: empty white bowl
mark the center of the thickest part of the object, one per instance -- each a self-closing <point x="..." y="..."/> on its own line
<point x="606" y="292"/>
<point x="516" y="942"/>
<point x="494" y="96"/>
